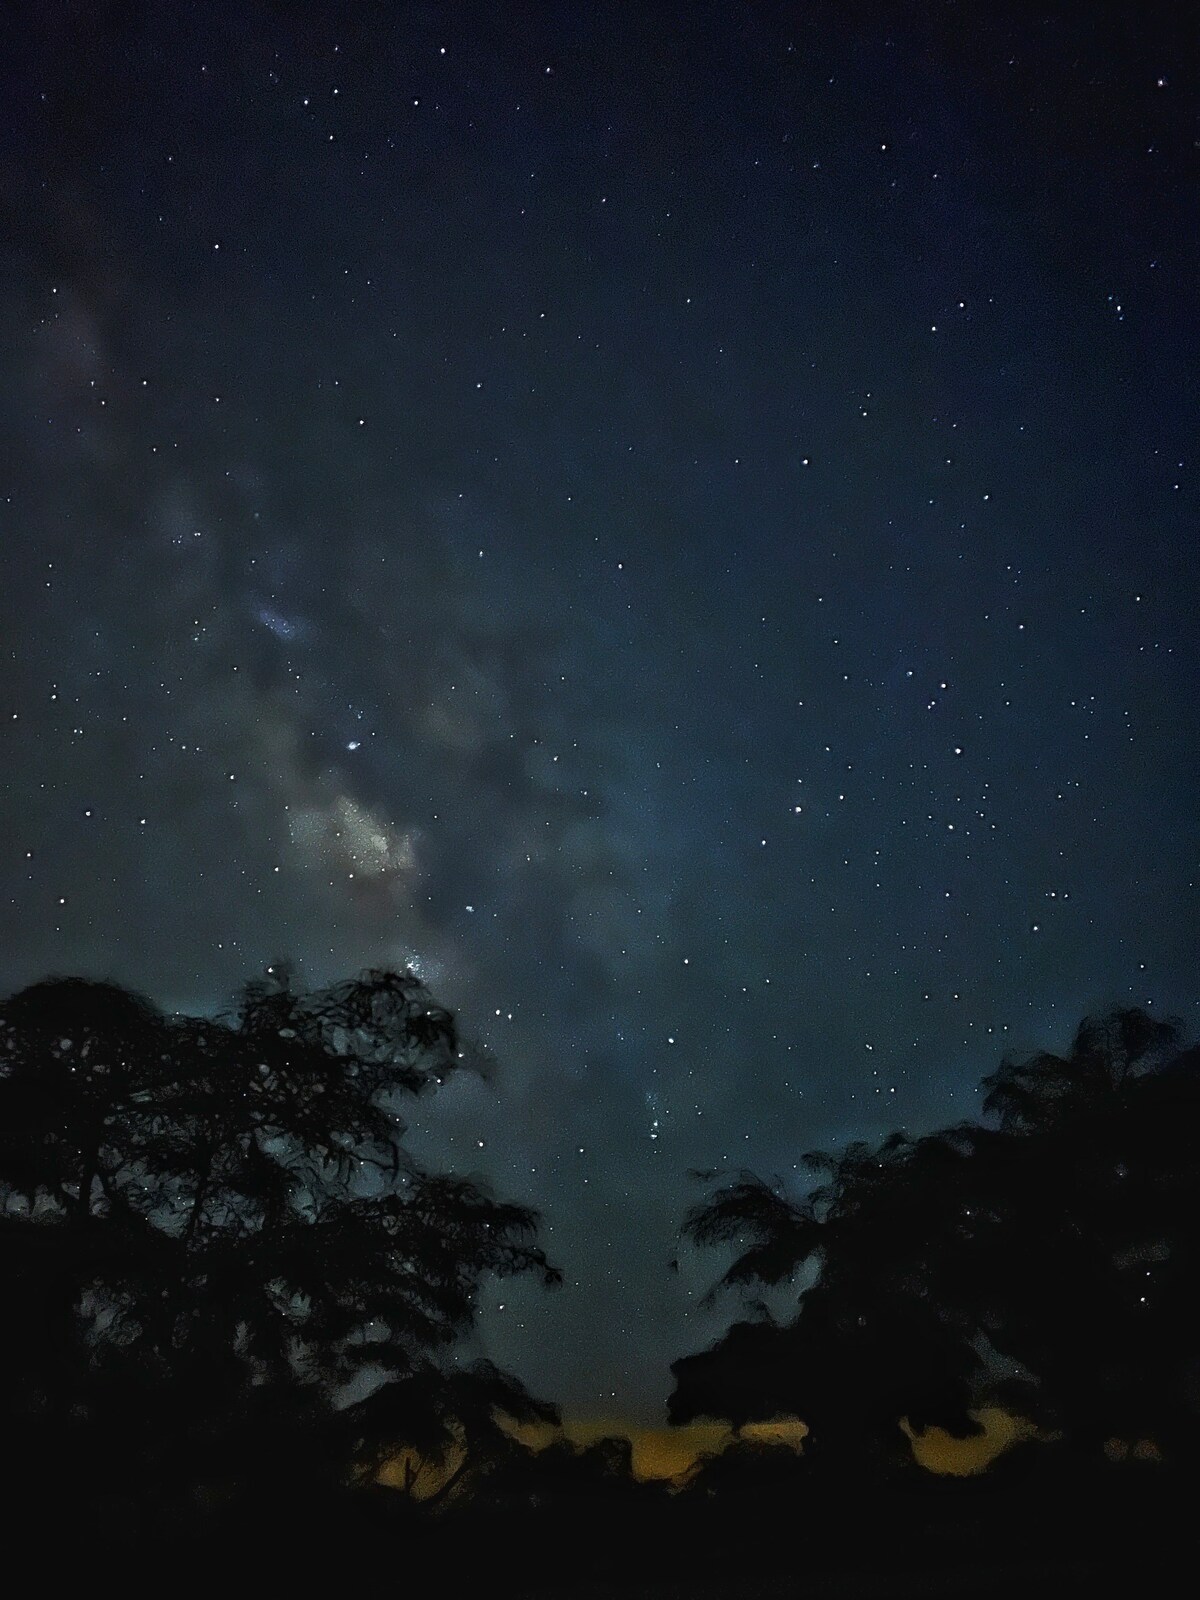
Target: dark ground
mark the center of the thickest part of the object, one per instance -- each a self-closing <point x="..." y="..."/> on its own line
<point x="1130" y="1532"/>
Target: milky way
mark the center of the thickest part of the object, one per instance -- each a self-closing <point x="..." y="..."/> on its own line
<point x="681" y="528"/>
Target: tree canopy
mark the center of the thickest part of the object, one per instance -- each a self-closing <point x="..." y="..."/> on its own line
<point x="1041" y="1258"/>
<point x="215" y="1247"/>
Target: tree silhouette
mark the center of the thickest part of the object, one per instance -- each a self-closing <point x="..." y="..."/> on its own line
<point x="1084" y="1232"/>
<point x="1043" y="1259"/>
<point x="574" y="1490"/>
<point x="869" y="1348"/>
<point x="211" y="1235"/>
<point x="457" y="1427"/>
<point x="751" y="1468"/>
<point x="1108" y="1055"/>
<point x="748" y="1375"/>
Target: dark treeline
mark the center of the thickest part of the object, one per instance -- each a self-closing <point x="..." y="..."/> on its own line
<point x="233" y="1305"/>
<point x="1043" y="1260"/>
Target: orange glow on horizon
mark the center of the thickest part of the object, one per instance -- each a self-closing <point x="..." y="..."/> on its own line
<point x="941" y="1452"/>
<point x="669" y="1453"/>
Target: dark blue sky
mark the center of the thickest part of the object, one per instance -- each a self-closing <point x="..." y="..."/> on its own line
<point x="681" y="521"/>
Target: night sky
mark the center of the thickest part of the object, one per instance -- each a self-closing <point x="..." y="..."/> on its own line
<point x="680" y="523"/>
